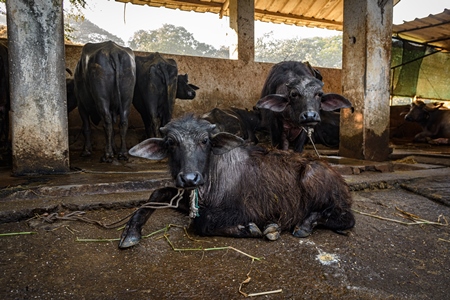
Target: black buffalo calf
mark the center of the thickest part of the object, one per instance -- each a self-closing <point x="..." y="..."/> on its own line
<point x="242" y="190"/>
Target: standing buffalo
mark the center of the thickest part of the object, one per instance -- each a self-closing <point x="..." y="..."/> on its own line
<point x="156" y="89"/>
<point x="104" y="84"/>
<point x="70" y="91"/>
<point x="239" y="190"/>
<point x="434" y="119"/>
<point x="291" y="99"/>
<point x="4" y="94"/>
<point x="185" y="90"/>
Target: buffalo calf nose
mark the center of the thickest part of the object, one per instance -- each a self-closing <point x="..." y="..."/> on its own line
<point x="186" y="180"/>
<point x="309" y="116"/>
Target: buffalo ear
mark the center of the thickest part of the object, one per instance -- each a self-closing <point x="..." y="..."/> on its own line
<point x="194" y="87"/>
<point x="273" y="102"/>
<point x="150" y="148"/>
<point x="332" y="102"/>
<point x="223" y="142"/>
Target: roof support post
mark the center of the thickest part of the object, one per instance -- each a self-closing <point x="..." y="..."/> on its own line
<point x="242" y="23"/>
<point x="38" y="90"/>
<point x="364" y="134"/>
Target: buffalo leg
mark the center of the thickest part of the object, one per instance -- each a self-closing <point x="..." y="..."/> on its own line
<point x="339" y="220"/>
<point x="216" y="221"/>
<point x="305" y="229"/>
<point x="108" y="128"/>
<point x="123" y="126"/>
<point x="132" y="233"/>
<point x="87" y="149"/>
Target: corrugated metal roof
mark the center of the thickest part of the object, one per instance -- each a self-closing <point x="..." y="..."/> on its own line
<point x="311" y="13"/>
<point x="433" y="30"/>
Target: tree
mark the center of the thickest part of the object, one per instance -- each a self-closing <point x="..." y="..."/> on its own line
<point x="175" y="40"/>
<point x="323" y="52"/>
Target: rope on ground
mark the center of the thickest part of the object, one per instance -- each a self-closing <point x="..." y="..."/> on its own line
<point x="80" y="215"/>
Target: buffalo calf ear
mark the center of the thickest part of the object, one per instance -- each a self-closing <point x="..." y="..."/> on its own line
<point x="151" y="149"/>
<point x="223" y="142"/>
<point x="273" y="102"/>
<point x="194" y="87"/>
<point x="330" y="102"/>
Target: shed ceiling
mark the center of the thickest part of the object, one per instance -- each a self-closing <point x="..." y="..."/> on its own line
<point x="310" y="13"/>
<point x="433" y="30"/>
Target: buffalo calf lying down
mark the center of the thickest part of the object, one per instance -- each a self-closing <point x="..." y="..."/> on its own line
<point x="434" y="119"/>
<point x="243" y="191"/>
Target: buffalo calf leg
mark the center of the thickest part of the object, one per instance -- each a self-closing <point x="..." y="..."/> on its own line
<point x="132" y="233"/>
<point x="306" y="228"/>
<point x="339" y="221"/>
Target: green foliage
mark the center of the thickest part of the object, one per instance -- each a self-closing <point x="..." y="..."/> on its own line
<point x="319" y="51"/>
<point x="174" y="40"/>
<point x="323" y="52"/>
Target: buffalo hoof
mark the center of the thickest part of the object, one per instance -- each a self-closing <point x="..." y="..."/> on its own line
<point x="272" y="232"/>
<point x="122" y="156"/>
<point x="85" y="153"/>
<point x="254" y="230"/>
<point x="301" y="232"/>
<point x="107" y="158"/>
<point x="129" y="238"/>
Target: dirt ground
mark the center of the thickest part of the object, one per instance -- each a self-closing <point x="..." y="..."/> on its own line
<point x="399" y="248"/>
<point x="379" y="259"/>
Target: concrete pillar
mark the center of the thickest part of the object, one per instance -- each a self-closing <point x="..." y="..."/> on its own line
<point x="242" y="23"/>
<point x="38" y="91"/>
<point x="365" y="79"/>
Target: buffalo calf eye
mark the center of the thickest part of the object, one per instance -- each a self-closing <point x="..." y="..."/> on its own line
<point x="170" y="142"/>
<point x="205" y="141"/>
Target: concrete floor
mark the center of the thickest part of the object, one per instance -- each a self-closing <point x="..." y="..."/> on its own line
<point x="379" y="259"/>
<point x="92" y="185"/>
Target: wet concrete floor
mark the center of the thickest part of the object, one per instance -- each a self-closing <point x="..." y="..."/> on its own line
<point x="399" y="248"/>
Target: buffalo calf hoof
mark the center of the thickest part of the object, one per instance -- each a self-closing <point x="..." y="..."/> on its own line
<point x="130" y="237"/>
<point x="301" y="232"/>
<point x="272" y="232"/>
<point x="129" y="241"/>
<point x="254" y="230"/>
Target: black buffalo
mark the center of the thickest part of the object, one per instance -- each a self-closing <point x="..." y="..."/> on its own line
<point x="156" y="90"/>
<point x="185" y="90"/>
<point x="4" y="94"/>
<point x="291" y="99"/>
<point x="239" y="190"/>
<point x="242" y="122"/>
<point x="434" y="119"/>
<point x="104" y="84"/>
<point x="70" y="90"/>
